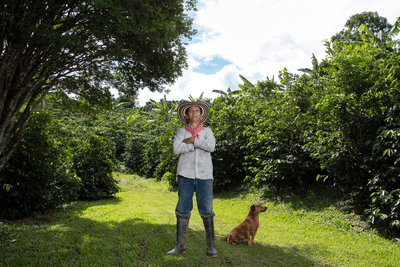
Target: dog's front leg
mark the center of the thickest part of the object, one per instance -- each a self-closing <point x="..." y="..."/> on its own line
<point x="248" y="239"/>
<point x="253" y="236"/>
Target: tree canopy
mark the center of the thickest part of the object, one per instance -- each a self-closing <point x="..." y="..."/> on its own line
<point x="351" y="32"/>
<point x="85" y="48"/>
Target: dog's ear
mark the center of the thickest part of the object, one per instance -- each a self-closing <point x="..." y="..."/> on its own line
<point x="252" y="207"/>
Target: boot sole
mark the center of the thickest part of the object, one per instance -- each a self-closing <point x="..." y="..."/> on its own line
<point x="176" y="254"/>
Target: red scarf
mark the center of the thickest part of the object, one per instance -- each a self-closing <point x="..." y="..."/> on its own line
<point x="195" y="133"/>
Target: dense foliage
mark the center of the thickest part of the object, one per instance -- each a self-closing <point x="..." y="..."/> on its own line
<point x="85" y="48"/>
<point x="336" y="124"/>
<point x="39" y="172"/>
<point x="372" y="20"/>
<point x="355" y="139"/>
<point x="63" y="157"/>
<point x="92" y="161"/>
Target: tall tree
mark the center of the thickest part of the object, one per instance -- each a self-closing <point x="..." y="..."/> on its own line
<point x="163" y="111"/>
<point x="85" y="48"/>
<point x="372" y="20"/>
<point x="228" y="91"/>
<point x="384" y="41"/>
<point x="317" y="70"/>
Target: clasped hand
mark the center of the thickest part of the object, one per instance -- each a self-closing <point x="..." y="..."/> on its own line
<point x="189" y="140"/>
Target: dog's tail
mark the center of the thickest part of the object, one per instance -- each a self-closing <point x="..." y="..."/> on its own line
<point x="220" y="238"/>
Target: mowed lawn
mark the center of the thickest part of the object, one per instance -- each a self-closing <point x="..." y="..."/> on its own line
<point x="137" y="228"/>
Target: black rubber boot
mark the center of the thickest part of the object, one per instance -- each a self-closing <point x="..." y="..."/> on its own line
<point x="182" y="226"/>
<point x="209" y="226"/>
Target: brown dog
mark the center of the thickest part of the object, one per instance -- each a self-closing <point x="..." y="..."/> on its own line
<point x="248" y="228"/>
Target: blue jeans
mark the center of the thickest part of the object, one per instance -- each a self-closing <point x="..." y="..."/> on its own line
<point x="204" y="196"/>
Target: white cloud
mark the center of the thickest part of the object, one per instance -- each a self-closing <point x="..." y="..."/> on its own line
<point x="261" y="37"/>
<point x="195" y="83"/>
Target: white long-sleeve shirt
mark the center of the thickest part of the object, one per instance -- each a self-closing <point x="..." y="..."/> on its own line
<point x="195" y="159"/>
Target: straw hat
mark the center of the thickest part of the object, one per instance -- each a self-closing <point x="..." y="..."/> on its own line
<point x="204" y="107"/>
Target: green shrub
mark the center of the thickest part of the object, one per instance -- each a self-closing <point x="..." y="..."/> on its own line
<point x="355" y="132"/>
<point x="230" y="115"/>
<point x="167" y="160"/>
<point x="93" y="163"/>
<point x="39" y="171"/>
<point x="277" y="144"/>
<point x="133" y="156"/>
<point x="170" y="178"/>
<point x="158" y="156"/>
<point x="384" y="185"/>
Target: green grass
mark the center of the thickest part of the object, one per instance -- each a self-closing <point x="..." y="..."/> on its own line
<point x="137" y="228"/>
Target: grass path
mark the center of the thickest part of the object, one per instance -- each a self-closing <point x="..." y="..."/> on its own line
<point x="137" y="228"/>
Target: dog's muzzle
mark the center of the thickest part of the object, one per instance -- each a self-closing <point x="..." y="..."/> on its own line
<point x="265" y="208"/>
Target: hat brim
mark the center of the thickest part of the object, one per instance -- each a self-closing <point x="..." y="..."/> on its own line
<point x="185" y="105"/>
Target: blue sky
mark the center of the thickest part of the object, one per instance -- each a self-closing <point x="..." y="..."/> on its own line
<point x="211" y="67"/>
<point x="258" y="38"/>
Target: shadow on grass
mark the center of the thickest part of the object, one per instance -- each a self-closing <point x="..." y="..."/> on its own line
<point x="70" y="240"/>
<point x="316" y="197"/>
